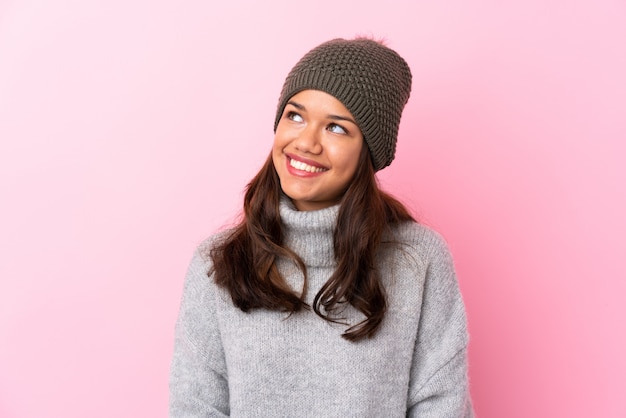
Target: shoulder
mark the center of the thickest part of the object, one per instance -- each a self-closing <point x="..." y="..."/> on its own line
<point x="420" y="239"/>
<point x="199" y="287"/>
<point x="206" y="246"/>
<point x="201" y="263"/>
<point x="417" y="245"/>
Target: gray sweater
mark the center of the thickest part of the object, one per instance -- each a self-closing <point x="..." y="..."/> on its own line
<point x="269" y="364"/>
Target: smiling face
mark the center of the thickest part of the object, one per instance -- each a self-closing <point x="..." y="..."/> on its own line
<point x="316" y="149"/>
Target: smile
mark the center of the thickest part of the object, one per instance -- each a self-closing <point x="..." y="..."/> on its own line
<point x="299" y="165"/>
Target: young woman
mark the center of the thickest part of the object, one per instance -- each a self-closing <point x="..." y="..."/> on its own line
<point x="328" y="299"/>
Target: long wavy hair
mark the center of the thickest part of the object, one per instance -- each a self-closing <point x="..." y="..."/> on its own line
<point x="244" y="263"/>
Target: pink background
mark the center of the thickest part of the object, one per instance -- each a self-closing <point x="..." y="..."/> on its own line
<point x="129" y="129"/>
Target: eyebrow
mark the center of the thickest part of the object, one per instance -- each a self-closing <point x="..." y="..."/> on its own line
<point x="333" y="117"/>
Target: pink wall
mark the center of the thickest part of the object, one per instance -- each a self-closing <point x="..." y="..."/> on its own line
<point x="129" y="128"/>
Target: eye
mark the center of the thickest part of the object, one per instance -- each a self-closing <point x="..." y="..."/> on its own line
<point x="337" y="129"/>
<point x="294" y="116"/>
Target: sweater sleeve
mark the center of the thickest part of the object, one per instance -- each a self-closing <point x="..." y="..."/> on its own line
<point x="198" y="379"/>
<point x="439" y="382"/>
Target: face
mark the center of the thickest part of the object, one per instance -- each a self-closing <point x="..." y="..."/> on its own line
<point x="316" y="149"/>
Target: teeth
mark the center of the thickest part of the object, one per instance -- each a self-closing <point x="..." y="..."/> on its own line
<point x="299" y="165"/>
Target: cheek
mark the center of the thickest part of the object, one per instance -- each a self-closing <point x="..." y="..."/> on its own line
<point x="277" y="145"/>
<point x="276" y="158"/>
<point x="280" y="139"/>
<point x="348" y="158"/>
<point x="277" y="152"/>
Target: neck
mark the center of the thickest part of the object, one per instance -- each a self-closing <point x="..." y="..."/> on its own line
<point x="310" y="233"/>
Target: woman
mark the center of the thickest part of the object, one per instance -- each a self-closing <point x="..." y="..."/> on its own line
<point x="328" y="299"/>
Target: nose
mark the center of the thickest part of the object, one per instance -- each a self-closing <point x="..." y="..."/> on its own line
<point x="308" y="140"/>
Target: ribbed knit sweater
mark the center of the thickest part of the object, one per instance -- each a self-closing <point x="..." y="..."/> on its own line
<point x="270" y="364"/>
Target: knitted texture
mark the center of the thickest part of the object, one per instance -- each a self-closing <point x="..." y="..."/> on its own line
<point x="371" y="80"/>
<point x="270" y="364"/>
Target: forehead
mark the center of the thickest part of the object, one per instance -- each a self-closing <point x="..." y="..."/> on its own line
<point x="317" y="100"/>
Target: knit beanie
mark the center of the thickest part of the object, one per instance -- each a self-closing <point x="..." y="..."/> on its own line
<point x="371" y="80"/>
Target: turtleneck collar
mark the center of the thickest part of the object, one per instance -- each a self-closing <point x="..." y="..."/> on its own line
<point x="309" y="233"/>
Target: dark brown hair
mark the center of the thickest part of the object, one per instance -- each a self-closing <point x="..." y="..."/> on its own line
<point x="245" y="262"/>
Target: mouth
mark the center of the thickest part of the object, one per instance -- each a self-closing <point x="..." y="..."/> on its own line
<point x="302" y="166"/>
